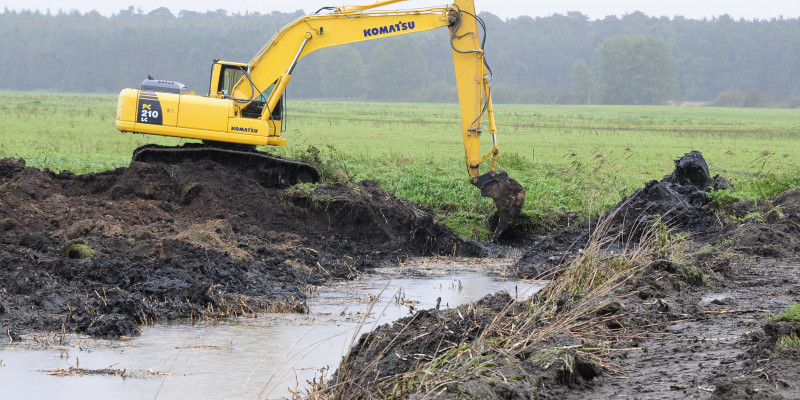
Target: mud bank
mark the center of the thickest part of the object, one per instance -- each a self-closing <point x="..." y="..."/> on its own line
<point x="103" y="253"/>
<point x="678" y="201"/>
<point x="667" y="296"/>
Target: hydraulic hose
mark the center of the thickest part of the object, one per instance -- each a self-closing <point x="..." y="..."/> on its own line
<point x="479" y="20"/>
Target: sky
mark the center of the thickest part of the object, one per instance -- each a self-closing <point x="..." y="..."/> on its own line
<point x="594" y="9"/>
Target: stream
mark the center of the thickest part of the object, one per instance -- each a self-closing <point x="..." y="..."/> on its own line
<point x="264" y="356"/>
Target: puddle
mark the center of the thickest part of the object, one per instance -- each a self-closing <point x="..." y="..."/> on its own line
<point x="263" y="356"/>
<point x="715" y="296"/>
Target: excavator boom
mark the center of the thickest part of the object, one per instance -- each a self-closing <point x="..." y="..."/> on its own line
<point x="244" y="106"/>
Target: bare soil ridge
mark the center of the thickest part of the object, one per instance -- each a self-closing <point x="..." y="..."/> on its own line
<point x="689" y="325"/>
<point x="102" y="253"/>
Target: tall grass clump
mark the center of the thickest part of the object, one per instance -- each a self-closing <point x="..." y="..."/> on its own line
<point x="792" y="313"/>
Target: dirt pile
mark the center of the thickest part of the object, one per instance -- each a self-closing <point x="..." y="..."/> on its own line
<point x="431" y="346"/>
<point x="403" y="345"/>
<point x="689" y="320"/>
<point x="101" y="253"/>
<point x="766" y="228"/>
<point x="678" y="201"/>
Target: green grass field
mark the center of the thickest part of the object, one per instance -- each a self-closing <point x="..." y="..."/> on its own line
<point x="578" y="159"/>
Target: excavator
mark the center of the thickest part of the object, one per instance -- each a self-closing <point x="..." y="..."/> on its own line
<point x="245" y="105"/>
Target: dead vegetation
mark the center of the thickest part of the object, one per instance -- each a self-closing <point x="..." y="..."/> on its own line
<point x="560" y="337"/>
<point x="122" y="373"/>
<point x="626" y="302"/>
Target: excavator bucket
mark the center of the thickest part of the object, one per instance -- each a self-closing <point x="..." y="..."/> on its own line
<point x="508" y="196"/>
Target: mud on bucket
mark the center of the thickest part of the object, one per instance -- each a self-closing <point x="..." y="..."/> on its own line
<point x="508" y="196"/>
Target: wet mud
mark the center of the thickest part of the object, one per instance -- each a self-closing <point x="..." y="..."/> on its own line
<point x="104" y="253"/>
<point x="678" y="201"/>
<point x="700" y="325"/>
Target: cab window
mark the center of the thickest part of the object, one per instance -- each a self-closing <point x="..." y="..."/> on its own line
<point x="230" y="76"/>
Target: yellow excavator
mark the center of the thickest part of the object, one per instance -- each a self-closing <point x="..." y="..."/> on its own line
<point x="244" y="107"/>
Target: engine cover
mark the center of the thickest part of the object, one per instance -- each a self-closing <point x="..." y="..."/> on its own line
<point x="157" y="85"/>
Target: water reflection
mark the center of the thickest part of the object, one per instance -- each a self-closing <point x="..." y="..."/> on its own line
<point x="264" y="356"/>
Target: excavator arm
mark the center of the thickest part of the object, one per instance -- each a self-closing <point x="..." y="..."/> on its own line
<point x="272" y="66"/>
<point x="244" y="100"/>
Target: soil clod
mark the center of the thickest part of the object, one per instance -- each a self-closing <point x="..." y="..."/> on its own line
<point x="104" y="252"/>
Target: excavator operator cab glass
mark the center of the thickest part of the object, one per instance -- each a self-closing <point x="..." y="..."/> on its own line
<point x="230" y="75"/>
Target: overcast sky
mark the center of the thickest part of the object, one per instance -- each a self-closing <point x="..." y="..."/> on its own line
<point x="595" y="9"/>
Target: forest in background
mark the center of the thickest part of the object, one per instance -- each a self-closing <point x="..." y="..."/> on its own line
<point x="561" y="59"/>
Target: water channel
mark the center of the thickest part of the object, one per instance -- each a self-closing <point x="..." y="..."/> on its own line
<point x="266" y="356"/>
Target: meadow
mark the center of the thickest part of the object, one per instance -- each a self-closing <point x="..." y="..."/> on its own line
<point x="572" y="160"/>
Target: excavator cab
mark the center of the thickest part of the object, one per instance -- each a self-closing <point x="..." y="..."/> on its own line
<point x="224" y="77"/>
<point x="227" y="76"/>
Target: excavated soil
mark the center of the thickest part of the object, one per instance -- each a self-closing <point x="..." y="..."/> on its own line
<point x="697" y="327"/>
<point x="103" y="253"/>
<point x="678" y="201"/>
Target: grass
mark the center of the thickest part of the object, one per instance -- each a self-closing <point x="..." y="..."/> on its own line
<point x="791" y="340"/>
<point x="570" y="159"/>
<point x="78" y="249"/>
<point x="66" y="131"/>
<point x="792" y="313"/>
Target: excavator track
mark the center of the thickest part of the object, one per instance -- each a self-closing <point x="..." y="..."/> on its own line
<point x="269" y="170"/>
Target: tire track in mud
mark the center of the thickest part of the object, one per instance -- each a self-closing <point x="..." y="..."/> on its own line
<point x="709" y="345"/>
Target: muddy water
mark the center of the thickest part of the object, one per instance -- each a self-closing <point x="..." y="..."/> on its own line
<point x="265" y="356"/>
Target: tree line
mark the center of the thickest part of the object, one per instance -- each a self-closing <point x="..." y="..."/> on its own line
<point x="561" y="59"/>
